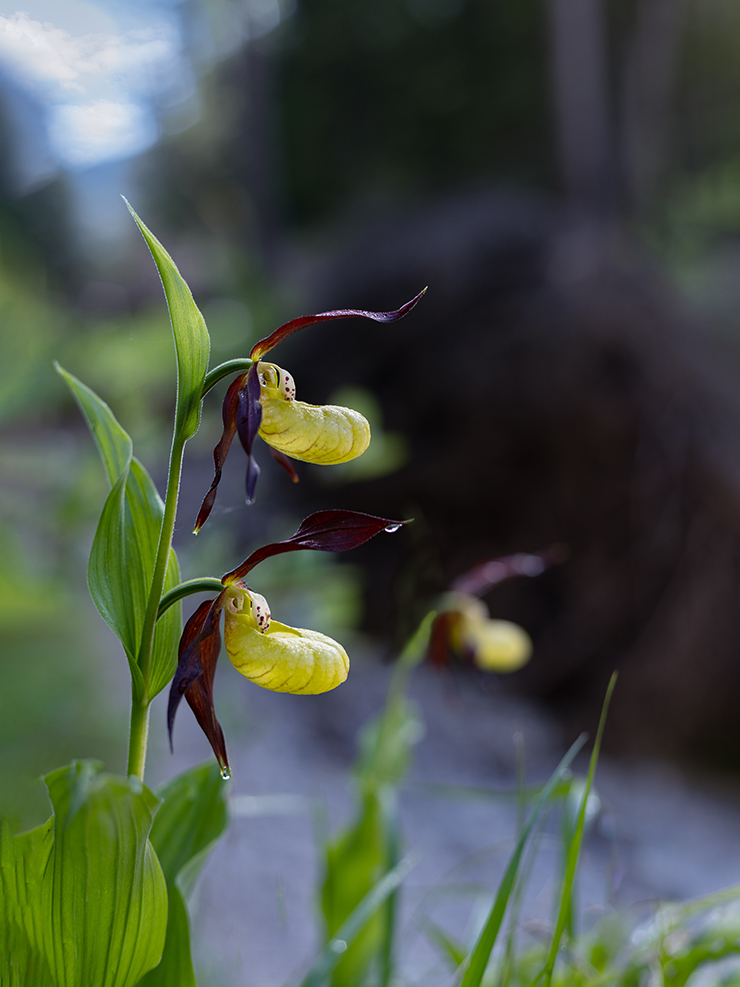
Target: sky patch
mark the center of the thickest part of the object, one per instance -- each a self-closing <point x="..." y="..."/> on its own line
<point x="99" y="86"/>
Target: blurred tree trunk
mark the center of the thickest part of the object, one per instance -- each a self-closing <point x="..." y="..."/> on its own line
<point x="578" y="60"/>
<point x="648" y="97"/>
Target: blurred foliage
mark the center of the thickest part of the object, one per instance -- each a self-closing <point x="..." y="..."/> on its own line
<point x="31" y="325"/>
<point x="54" y="675"/>
<point x="362" y="853"/>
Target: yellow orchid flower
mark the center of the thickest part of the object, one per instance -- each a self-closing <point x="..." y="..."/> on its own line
<point x="270" y="654"/>
<point x="323" y="434"/>
<point x="463" y="624"/>
<point x="276" y="656"/>
<point x="494" y="645"/>
<point x="262" y="402"/>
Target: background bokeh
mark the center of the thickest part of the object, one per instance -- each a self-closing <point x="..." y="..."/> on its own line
<point x="564" y="175"/>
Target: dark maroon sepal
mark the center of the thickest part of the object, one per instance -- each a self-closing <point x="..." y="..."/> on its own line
<point x="324" y="531"/>
<point x="229" y="412"/>
<point x="287" y="465"/>
<point x="438" y="649"/>
<point x="248" y="421"/>
<point x="478" y="580"/>
<point x="198" y="653"/>
<point x="265" y="345"/>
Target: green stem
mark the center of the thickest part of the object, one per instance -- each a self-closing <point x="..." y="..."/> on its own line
<point x="137" y="739"/>
<point x="139" y="710"/>
<point x="206" y="584"/>
<point x="218" y="373"/>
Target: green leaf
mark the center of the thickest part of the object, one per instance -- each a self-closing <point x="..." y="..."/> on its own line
<point x="112" y="579"/>
<point x="192" y="817"/>
<point x="483" y="948"/>
<point x="113" y="442"/>
<point x="125" y="546"/>
<point x="368" y="848"/>
<point x="347" y="933"/>
<point x="141" y="530"/>
<point x="386" y="743"/>
<point x="87" y="885"/>
<point x="354" y="863"/>
<point x="166" y="635"/>
<point x="192" y="342"/>
<point x="22" y="862"/>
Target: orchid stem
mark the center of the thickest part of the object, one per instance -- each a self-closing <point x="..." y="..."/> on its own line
<point x="137" y="739"/>
<point x="140" y="708"/>
<point x="240" y="365"/>
<point x="206" y="584"/>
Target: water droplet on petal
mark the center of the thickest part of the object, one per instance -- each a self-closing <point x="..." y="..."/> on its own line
<point x="225" y="773"/>
<point x="390" y="528"/>
<point x="339" y="946"/>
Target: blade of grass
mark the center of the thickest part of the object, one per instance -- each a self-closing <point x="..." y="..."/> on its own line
<point x="521" y="816"/>
<point x="575" y="846"/>
<point x="477" y="793"/>
<point x="482" y="950"/>
<point x="453" y="952"/>
<point x="332" y="952"/>
<point x="390" y="918"/>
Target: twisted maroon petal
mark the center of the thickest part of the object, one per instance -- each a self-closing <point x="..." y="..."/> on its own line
<point x="285" y="462"/>
<point x="229" y="411"/>
<point x="248" y="421"/>
<point x="265" y="345"/>
<point x="324" y="531"/>
<point x="198" y="653"/>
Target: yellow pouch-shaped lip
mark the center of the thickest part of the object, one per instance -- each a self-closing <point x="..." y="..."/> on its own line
<point x="281" y="658"/>
<point x="498" y="645"/>
<point x="495" y="645"/>
<point x="322" y="434"/>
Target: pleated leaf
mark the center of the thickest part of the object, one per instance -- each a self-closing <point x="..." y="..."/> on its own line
<point x="22" y="863"/>
<point x="87" y="886"/>
<point x="192" y="342"/>
<point x="192" y="817"/>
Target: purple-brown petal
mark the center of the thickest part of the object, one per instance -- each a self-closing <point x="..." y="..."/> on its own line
<point x="248" y="420"/>
<point x="229" y="413"/>
<point x="199" y="649"/>
<point x="265" y="345"/>
<point x="324" y="531"/>
<point x="285" y="462"/>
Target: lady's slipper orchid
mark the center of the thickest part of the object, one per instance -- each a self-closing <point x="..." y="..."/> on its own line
<point x="463" y="624"/>
<point x="276" y="656"/>
<point x="324" y="434"/>
<point x="270" y="654"/>
<point x="262" y="402"/>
